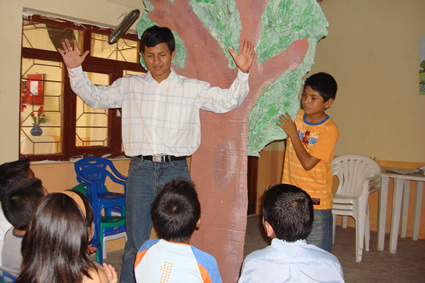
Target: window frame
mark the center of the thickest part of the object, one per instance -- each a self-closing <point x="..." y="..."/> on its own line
<point x="114" y="69"/>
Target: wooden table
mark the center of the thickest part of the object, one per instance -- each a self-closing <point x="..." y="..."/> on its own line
<point x="400" y="199"/>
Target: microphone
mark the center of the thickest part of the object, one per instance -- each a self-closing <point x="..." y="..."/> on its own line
<point x="123" y="27"/>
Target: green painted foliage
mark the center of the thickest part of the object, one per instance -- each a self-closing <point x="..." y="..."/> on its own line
<point x="222" y="19"/>
<point x="283" y="22"/>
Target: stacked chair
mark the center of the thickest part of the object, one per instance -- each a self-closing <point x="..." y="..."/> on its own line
<point x="358" y="176"/>
<point x="6" y="277"/>
<point x="108" y="207"/>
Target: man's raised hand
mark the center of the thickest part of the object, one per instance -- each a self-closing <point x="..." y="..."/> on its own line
<point x="245" y="57"/>
<point x="70" y="55"/>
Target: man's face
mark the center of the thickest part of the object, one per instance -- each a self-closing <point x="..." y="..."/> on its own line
<point x="158" y="60"/>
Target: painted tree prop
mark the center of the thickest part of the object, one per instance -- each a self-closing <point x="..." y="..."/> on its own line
<point x="286" y="33"/>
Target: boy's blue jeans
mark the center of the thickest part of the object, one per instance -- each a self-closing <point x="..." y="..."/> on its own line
<point x="145" y="179"/>
<point x="321" y="234"/>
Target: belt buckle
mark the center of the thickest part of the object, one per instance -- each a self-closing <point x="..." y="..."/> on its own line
<point x="157" y="158"/>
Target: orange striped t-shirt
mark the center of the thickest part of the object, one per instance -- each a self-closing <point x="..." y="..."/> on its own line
<point x="319" y="140"/>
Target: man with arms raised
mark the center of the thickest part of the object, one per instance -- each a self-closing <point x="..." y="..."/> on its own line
<point x="160" y="122"/>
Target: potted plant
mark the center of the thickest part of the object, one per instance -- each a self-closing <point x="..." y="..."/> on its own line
<point x="39" y="118"/>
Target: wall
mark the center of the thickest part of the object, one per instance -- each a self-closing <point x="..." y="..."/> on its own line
<point x="372" y="50"/>
<point x="270" y="164"/>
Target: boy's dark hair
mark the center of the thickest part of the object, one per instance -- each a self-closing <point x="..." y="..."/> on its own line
<point x="13" y="172"/>
<point x="176" y="210"/>
<point x="323" y="83"/>
<point x="289" y="210"/>
<point x="20" y="200"/>
<point x="155" y="35"/>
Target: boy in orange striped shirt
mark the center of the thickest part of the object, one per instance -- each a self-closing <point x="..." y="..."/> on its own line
<point x="309" y="152"/>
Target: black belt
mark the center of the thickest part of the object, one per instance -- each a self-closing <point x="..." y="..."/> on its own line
<point x="161" y="158"/>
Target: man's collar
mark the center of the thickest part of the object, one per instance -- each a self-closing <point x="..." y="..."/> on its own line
<point x="148" y="75"/>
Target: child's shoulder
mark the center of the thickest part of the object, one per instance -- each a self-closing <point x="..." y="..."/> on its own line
<point x="330" y="126"/>
<point x="208" y="263"/>
<point x="203" y="257"/>
<point x="148" y="244"/>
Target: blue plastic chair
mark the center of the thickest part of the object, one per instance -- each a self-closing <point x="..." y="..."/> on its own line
<point x="111" y="227"/>
<point x="6" y="277"/>
<point x="92" y="173"/>
<point x="116" y="211"/>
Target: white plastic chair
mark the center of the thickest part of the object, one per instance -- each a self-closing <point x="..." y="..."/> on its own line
<point x="358" y="176"/>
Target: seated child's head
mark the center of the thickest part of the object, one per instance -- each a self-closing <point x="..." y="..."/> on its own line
<point x="288" y="213"/>
<point x="20" y="200"/>
<point x="13" y="172"/>
<point x="54" y="249"/>
<point x="176" y="211"/>
<point x="324" y="84"/>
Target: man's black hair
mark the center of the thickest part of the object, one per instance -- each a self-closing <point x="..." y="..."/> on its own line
<point x="176" y="211"/>
<point x="289" y="210"/>
<point x="20" y="200"/>
<point x="13" y="172"/>
<point x="155" y="35"/>
<point x="323" y="83"/>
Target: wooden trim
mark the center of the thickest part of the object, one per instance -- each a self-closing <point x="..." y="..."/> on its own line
<point x="252" y="184"/>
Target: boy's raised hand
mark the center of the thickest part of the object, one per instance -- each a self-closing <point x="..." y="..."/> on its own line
<point x="245" y="57"/>
<point x="307" y="161"/>
<point x="70" y="55"/>
<point x="288" y="126"/>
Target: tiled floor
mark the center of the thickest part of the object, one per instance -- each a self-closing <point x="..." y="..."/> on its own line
<point x="407" y="265"/>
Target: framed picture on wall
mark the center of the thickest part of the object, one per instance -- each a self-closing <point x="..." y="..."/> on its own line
<point x="422" y="65"/>
<point x="34" y="89"/>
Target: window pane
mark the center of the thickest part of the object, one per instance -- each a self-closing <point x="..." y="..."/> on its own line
<point x="92" y="124"/>
<point x="44" y="90"/>
<point x="124" y="50"/>
<point x="41" y="103"/>
<point x="47" y="37"/>
<point x="129" y="73"/>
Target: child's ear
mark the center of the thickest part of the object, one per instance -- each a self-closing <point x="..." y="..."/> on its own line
<point x="91" y="230"/>
<point x="198" y="224"/>
<point x="269" y="230"/>
<point x="329" y="103"/>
